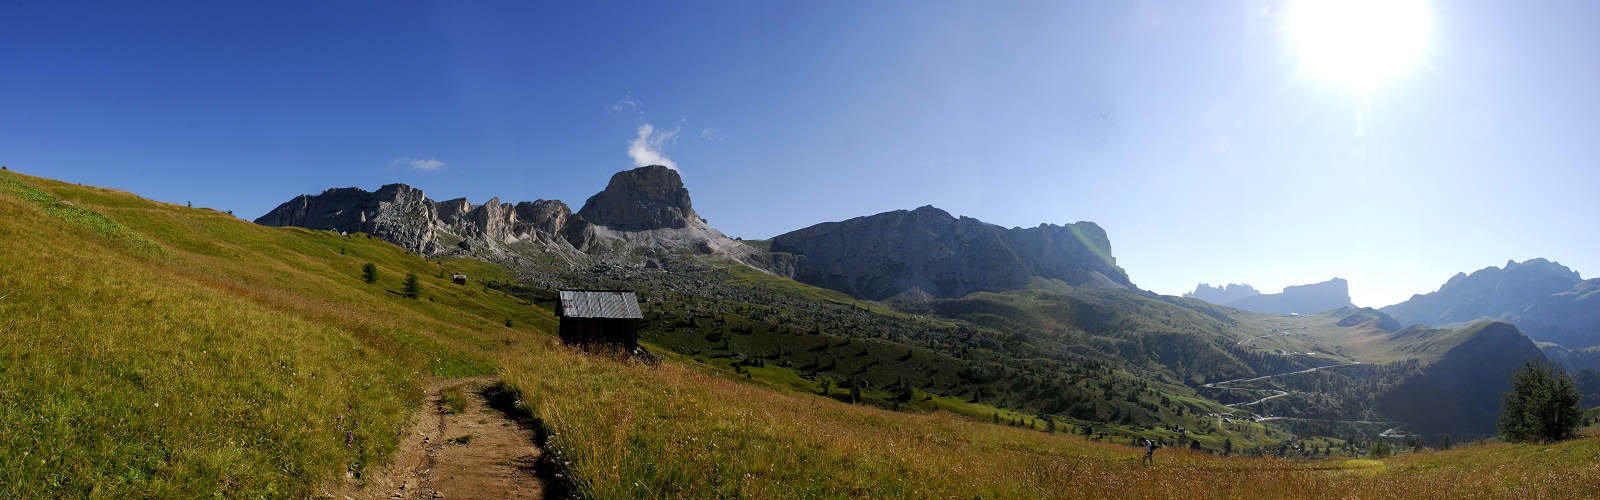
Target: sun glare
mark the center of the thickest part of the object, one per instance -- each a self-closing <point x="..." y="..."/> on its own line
<point x="1358" y="43"/>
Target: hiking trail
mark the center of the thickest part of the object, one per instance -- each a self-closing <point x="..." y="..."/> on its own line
<point x="457" y="448"/>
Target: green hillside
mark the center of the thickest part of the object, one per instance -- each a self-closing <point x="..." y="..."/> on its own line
<point x="149" y="349"/>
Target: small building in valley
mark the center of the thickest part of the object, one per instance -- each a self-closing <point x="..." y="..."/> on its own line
<point x="599" y="317"/>
<point x="459" y="279"/>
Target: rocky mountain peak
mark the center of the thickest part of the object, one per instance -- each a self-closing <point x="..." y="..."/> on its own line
<point x="650" y="197"/>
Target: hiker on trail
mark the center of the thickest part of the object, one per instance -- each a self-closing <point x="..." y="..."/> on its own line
<point x="1149" y="452"/>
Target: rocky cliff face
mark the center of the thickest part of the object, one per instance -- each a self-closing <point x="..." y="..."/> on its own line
<point x="644" y="198"/>
<point x="1222" y="294"/>
<point x="1298" y="299"/>
<point x="927" y="249"/>
<point x="396" y="213"/>
<point x="642" y="212"/>
<point x="1545" y="299"/>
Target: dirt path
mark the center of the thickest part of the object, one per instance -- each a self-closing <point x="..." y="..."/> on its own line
<point x="458" y="448"/>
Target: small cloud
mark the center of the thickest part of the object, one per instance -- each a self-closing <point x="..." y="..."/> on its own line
<point x="645" y="149"/>
<point x="711" y="134"/>
<point x="418" y="163"/>
<point x="625" y="103"/>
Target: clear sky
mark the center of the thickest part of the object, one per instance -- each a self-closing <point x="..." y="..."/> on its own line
<point x="1208" y="138"/>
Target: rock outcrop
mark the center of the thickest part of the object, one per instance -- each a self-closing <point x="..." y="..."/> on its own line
<point x="1222" y="294"/>
<point x="644" y="198"/>
<point x="1299" y="299"/>
<point x="927" y="249"/>
<point x="397" y="213"/>
<point x="642" y="213"/>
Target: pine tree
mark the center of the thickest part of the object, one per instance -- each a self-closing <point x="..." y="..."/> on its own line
<point x="411" y="288"/>
<point x="1543" y="405"/>
<point x="1227" y="446"/>
<point x="369" y="273"/>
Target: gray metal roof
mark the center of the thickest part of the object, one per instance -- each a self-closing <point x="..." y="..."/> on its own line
<point x="614" y="305"/>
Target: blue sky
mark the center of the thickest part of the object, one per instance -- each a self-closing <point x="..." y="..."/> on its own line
<point x="1189" y="130"/>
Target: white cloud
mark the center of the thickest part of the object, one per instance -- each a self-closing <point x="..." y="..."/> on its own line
<point x="418" y="163"/>
<point x="625" y="103"/>
<point x="711" y="134"/>
<point x="645" y="149"/>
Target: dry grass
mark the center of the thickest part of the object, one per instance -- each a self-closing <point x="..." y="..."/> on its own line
<point x="154" y="350"/>
<point x="680" y="431"/>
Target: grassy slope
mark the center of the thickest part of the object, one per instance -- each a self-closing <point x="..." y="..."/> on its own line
<point x="268" y="338"/>
<point x="148" y="349"/>
<point x="684" y="431"/>
<point x="1322" y="334"/>
<point x="887" y="365"/>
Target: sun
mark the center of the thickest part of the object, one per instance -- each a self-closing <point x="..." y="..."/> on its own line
<point x="1359" y="44"/>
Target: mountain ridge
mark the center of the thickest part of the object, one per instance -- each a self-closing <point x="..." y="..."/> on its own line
<point x="644" y="211"/>
<point x="927" y="249"/>
<point x="1546" y="300"/>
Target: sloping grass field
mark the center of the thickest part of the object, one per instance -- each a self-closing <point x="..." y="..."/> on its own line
<point x="153" y="350"/>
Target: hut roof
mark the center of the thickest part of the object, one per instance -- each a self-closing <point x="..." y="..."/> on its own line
<point x="600" y="304"/>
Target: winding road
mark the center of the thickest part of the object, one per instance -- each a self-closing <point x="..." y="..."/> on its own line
<point x="1276" y="393"/>
<point x="1281" y="333"/>
<point x="1213" y="385"/>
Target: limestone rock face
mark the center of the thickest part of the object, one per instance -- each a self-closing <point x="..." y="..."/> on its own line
<point x="879" y="256"/>
<point x="642" y="214"/>
<point x="396" y="213"/>
<point x="644" y="198"/>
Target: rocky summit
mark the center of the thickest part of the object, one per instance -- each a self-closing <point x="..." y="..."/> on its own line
<point x="644" y="198"/>
<point x="929" y="251"/>
<point x="643" y="211"/>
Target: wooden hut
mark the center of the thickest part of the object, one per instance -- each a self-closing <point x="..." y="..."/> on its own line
<point x="600" y="317"/>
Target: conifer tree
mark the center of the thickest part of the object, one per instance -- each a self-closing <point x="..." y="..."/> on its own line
<point x="1543" y="405"/>
<point x="411" y="288"/>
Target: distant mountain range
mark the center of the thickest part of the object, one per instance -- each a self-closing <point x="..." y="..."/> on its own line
<point x="1545" y="299"/>
<point x="1299" y="299"/>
